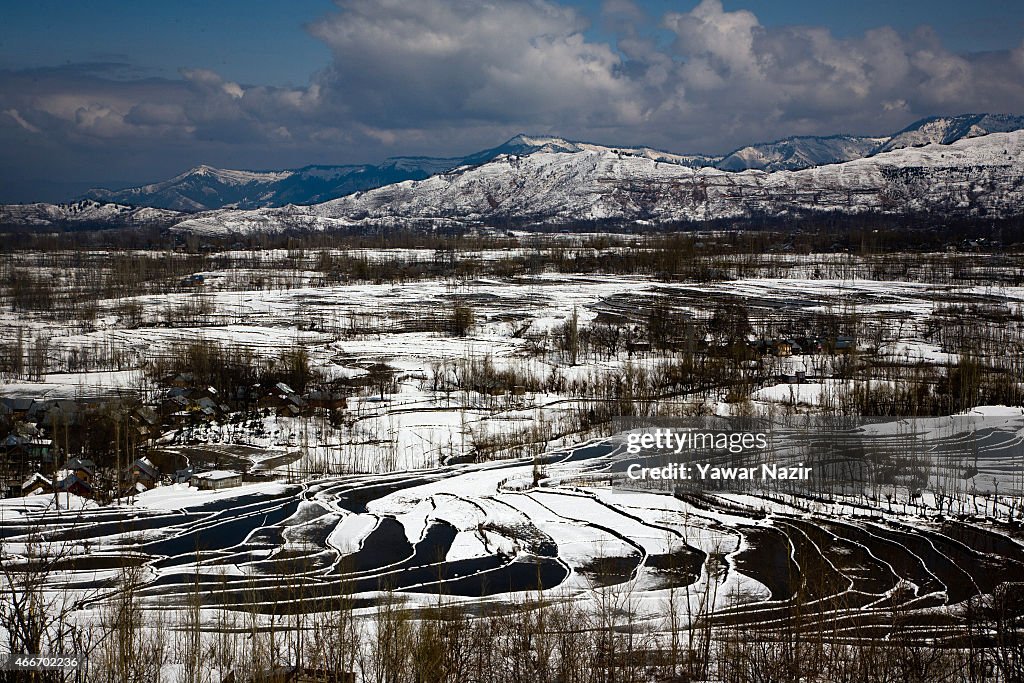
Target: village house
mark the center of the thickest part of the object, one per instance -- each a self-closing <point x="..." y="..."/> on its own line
<point x="37" y="483"/>
<point x="144" y="473"/>
<point x="146" y="422"/>
<point x="17" y="408"/>
<point x="331" y="400"/>
<point x="781" y="347"/>
<point x="74" y="484"/>
<point x="794" y="371"/>
<point x="283" y="400"/>
<point x="83" y="468"/>
<point x="216" y="479"/>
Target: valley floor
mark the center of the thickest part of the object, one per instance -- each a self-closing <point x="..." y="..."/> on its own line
<point x="450" y="442"/>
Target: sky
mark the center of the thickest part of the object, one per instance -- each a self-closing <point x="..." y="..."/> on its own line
<point x="114" y="93"/>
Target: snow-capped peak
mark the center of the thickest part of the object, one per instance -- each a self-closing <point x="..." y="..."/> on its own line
<point x="206" y="187"/>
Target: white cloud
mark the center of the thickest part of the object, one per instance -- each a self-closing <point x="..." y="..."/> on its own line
<point x="448" y="76"/>
<point x="518" y="61"/>
<point x="717" y="42"/>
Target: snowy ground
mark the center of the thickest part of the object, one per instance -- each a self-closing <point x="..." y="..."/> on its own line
<point x="372" y="505"/>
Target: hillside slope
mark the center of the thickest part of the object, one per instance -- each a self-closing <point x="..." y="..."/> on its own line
<point x="973" y="176"/>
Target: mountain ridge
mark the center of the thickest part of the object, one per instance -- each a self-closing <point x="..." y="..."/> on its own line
<point x="84" y="213"/>
<point x="980" y="176"/>
<point x="205" y="187"/>
<point x="553" y="181"/>
<point x="317" y="183"/>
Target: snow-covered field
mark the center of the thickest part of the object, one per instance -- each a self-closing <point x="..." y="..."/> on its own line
<point x="472" y="533"/>
<point x="430" y="482"/>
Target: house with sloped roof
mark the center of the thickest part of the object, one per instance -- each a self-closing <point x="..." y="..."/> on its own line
<point x="83" y="468"/>
<point x="844" y="345"/>
<point x="74" y="484"/>
<point x="18" y="407"/>
<point x="37" y="483"/>
<point x="143" y="472"/>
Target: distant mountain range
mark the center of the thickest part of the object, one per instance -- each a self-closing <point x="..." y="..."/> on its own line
<point x="964" y="165"/>
<point x="981" y="176"/>
<point x="86" y="213"/>
<point x="204" y="187"/>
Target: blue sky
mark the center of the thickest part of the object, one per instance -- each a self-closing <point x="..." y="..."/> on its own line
<point x="112" y="92"/>
<point x="255" y="42"/>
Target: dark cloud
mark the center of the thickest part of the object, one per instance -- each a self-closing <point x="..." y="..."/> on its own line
<point x="447" y="76"/>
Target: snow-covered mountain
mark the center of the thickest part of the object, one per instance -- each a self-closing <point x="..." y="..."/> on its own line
<point x="204" y="187"/>
<point x="949" y="129"/>
<point x="85" y="213"/>
<point x="200" y="188"/>
<point x="972" y="176"/>
<point x="795" y="153"/>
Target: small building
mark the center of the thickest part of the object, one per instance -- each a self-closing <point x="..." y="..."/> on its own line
<point x="14" y="445"/>
<point x="37" y="483"/>
<point x="72" y="483"/>
<point x="217" y="479"/>
<point x="172" y="405"/>
<point x="17" y="407"/>
<point x="288" y="410"/>
<point x="59" y="413"/>
<point x="206" y="408"/>
<point x="83" y="468"/>
<point x="144" y="473"/>
<point x="332" y="400"/>
<point x="782" y="347"/>
<point x="39" y="448"/>
<point x="793" y="371"/>
<point x="283" y="401"/>
<point x="272" y="401"/>
<point x="182" y="380"/>
<point x="146" y="421"/>
<point x="638" y="347"/>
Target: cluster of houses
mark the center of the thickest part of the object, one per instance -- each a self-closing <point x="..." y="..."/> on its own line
<point x="78" y="476"/>
<point x="55" y="414"/>
<point x="793" y="346"/>
<point x="30" y="462"/>
<point x="185" y="402"/>
<point x="50" y="413"/>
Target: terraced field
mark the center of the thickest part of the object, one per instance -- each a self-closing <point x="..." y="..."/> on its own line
<point x="480" y="533"/>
